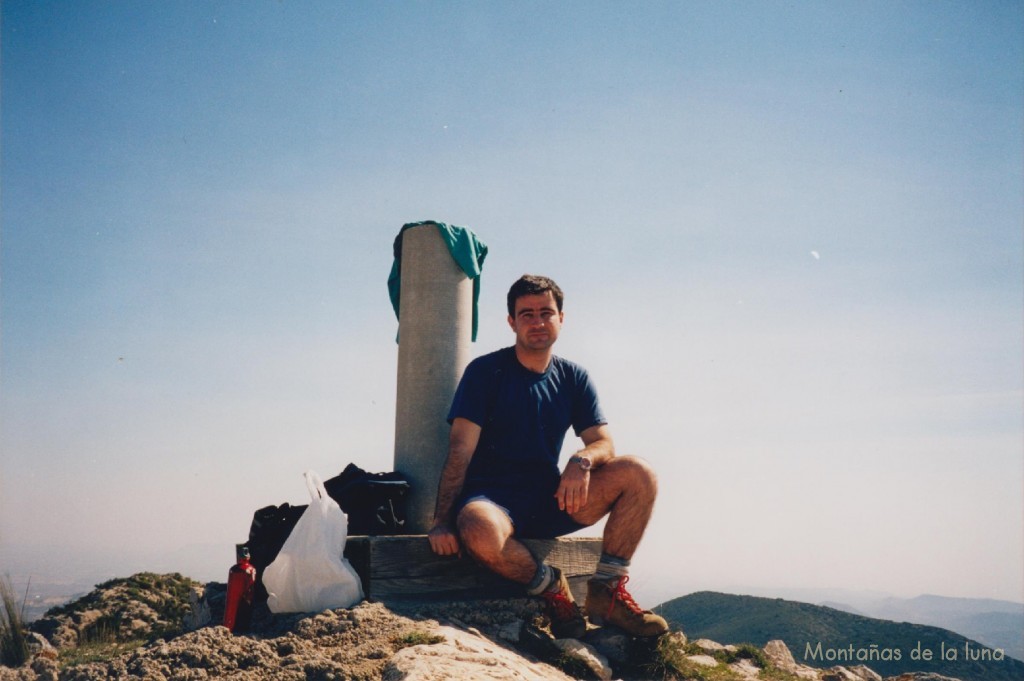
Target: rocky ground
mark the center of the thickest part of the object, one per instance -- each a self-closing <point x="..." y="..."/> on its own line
<point x="165" y="627"/>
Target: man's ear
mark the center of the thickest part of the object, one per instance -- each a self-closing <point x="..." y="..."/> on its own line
<point x="511" y="323"/>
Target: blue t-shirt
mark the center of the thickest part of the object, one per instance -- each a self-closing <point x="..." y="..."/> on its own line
<point x="523" y="416"/>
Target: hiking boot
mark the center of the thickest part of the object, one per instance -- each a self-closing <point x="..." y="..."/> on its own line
<point x="566" y="617"/>
<point x="610" y="603"/>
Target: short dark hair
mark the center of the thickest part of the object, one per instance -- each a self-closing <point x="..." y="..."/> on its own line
<point x="531" y="285"/>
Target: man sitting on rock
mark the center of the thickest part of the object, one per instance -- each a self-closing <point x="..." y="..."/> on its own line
<point x="501" y="479"/>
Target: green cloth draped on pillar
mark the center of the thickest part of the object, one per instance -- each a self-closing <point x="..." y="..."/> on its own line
<point x="467" y="250"/>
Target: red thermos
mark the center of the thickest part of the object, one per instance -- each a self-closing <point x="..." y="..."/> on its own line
<point x="241" y="589"/>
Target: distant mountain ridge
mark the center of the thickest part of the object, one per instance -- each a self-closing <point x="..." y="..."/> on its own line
<point x="997" y="624"/>
<point x="823" y="636"/>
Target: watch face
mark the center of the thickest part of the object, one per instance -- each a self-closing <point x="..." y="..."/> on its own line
<point x="585" y="462"/>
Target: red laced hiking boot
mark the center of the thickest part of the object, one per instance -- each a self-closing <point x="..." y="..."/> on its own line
<point x="610" y="603"/>
<point x="566" y="617"/>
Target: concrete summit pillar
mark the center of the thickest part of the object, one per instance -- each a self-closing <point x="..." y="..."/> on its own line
<point x="435" y="330"/>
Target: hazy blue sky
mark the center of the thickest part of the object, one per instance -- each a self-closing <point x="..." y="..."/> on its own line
<point x="790" y="236"/>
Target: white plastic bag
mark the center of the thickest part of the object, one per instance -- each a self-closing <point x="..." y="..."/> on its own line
<point x="310" y="573"/>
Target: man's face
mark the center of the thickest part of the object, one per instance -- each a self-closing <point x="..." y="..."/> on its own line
<point x="537" y="321"/>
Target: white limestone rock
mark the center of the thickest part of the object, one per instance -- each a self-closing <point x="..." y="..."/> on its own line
<point x="779" y="654"/>
<point x="711" y="647"/>
<point x="840" y="673"/>
<point x="199" y="614"/>
<point x="463" y="656"/>
<point x="865" y="673"/>
<point x="703" y="660"/>
<point x="745" y="669"/>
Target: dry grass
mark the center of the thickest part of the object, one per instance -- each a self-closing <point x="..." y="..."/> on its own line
<point x="13" y="644"/>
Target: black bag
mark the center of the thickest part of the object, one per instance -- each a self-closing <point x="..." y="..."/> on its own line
<point x="374" y="502"/>
<point x="270" y="527"/>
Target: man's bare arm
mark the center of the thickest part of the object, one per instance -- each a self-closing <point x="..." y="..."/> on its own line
<point x="574" y="488"/>
<point x="461" y="444"/>
<point x="598" y="445"/>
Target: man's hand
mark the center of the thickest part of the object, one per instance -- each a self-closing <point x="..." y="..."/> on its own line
<point x="443" y="541"/>
<point x="573" y="489"/>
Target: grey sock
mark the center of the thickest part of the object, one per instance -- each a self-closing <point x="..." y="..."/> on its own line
<point x="611" y="568"/>
<point x="542" y="579"/>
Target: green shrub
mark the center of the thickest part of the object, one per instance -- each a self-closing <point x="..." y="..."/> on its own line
<point x="106" y="629"/>
<point x="669" y="661"/>
<point x="417" y="638"/>
<point x="750" y="652"/>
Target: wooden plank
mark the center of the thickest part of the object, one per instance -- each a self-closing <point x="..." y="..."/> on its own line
<point x="405" y="567"/>
<point x="411" y="556"/>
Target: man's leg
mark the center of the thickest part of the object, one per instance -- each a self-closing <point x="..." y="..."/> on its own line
<point x="486" y="532"/>
<point x="625" y="489"/>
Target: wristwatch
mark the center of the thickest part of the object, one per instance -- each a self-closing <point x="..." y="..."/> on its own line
<point x="584" y="462"/>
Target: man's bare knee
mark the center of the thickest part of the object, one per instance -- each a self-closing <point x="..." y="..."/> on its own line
<point x="484" y="529"/>
<point x="633" y="472"/>
<point x="645" y="475"/>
